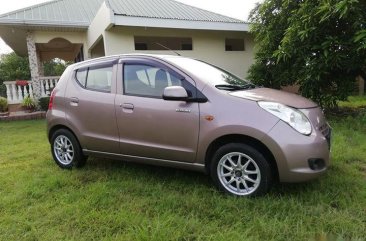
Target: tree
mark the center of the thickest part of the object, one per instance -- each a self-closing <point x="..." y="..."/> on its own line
<point x="13" y="67"/>
<point x="320" y="45"/>
<point x="55" y="67"/>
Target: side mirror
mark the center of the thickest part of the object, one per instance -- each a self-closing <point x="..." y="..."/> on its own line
<point x="175" y="93"/>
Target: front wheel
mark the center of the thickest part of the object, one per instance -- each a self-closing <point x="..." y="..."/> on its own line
<point x="240" y="170"/>
<point x="66" y="150"/>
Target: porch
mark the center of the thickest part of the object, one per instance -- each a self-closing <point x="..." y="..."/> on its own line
<point x="41" y="48"/>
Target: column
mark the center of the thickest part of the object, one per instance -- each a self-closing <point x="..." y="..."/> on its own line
<point x="40" y="65"/>
<point x="34" y="66"/>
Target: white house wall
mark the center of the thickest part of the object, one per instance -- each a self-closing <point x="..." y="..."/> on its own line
<point x="100" y="23"/>
<point x="207" y="45"/>
<point x="45" y="37"/>
<point x="73" y="37"/>
<point x="98" y="50"/>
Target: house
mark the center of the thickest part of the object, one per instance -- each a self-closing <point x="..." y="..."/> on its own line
<point x="77" y="30"/>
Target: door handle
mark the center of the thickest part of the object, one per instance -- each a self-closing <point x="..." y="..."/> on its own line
<point x="127" y="106"/>
<point x="74" y="100"/>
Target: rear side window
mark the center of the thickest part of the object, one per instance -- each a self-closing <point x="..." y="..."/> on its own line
<point x="96" y="78"/>
<point x="81" y="76"/>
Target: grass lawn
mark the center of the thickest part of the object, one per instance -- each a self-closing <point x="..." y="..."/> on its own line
<point x="354" y="102"/>
<point x="112" y="200"/>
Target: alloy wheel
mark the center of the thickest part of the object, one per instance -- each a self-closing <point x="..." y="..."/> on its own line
<point x="238" y="173"/>
<point x="64" y="150"/>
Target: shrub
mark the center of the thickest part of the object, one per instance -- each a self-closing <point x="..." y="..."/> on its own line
<point x="43" y="103"/>
<point x="3" y="104"/>
<point x="29" y="103"/>
<point x="2" y="90"/>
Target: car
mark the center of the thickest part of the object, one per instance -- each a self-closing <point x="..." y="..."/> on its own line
<point x="180" y="112"/>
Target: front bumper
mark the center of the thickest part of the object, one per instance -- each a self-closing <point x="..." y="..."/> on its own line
<point x="295" y="153"/>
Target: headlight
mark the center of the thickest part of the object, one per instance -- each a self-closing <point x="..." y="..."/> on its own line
<point x="295" y="118"/>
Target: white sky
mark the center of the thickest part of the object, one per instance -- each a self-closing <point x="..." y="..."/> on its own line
<point x="233" y="8"/>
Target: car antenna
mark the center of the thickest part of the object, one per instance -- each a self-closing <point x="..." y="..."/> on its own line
<point x="165" y="47"/>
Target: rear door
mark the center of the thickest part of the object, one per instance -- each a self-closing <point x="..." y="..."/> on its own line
<point x="148" y="125"/>
<point x="90" y="106"/>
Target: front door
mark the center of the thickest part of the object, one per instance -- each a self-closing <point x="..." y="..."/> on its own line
<point x="150" y="126"/>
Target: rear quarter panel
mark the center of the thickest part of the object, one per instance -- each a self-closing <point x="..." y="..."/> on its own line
<point x="57" y="116"/>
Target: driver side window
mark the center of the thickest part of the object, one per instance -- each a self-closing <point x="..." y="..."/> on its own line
<point x="148" y="81"/>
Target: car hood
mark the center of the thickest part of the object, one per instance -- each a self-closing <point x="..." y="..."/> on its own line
<point x="272" y="95"/>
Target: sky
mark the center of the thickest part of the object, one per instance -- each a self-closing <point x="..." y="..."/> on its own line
<point x="233" y="8"/>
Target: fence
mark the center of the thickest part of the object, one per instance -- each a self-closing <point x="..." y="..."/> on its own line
<point x="16" y="93"/>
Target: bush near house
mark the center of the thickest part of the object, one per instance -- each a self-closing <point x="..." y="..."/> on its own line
<point x="3" y="104"/>
<point x="2" y="89"/>
<point x="113" y="200"/>
<point x="29" y="103"/>
<point x="43" y="103"/>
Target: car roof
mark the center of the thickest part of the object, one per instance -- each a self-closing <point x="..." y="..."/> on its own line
<point x="119" y="56"/>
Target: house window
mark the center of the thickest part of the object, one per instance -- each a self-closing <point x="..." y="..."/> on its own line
<point x="140" y="46"/>
<point x="187" y="46"/>
<point x="163" y="43"/>
<point x="232" y="44"/>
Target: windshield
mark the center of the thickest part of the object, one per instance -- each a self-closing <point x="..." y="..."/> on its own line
<point x="211" y="74"/>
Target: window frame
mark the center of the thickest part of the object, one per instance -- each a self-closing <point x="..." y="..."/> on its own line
<point x="189" y="87"/>
<point x="109" y="64"/>
<point x="143" y="40"/>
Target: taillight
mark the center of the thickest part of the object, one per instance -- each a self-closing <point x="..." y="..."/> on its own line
<point x="50" y="104"/>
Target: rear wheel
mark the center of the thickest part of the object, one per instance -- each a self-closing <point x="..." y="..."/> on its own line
<point x="240" y="170"/>
<point x="66" y="150"/>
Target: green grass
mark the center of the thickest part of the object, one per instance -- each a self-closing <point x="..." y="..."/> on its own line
<point x="354" y="102"/>
<point x="113" y="200"/>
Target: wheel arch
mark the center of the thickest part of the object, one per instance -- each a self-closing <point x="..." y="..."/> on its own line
<point x="58" y="127"/>
<point x="237" y="138"/>
<point x="79" y="158"/>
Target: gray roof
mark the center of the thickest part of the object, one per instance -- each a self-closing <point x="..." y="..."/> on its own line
<point x="166" y="9"/>
<point x="80" y="13"/>
<point x="57" y="12"/>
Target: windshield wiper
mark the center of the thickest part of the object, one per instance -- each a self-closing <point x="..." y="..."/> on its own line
<point x="235" y="87"/>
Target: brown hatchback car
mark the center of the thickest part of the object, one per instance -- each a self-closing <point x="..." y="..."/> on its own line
<point x="180" y="112"/>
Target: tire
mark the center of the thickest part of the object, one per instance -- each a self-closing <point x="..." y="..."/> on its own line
<point x="251" y="177"/>
<point x="66" y="150"/>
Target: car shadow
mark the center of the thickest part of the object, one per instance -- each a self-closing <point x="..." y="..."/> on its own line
<point x="187" y="177"/>
<point x="164" y="174"/>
